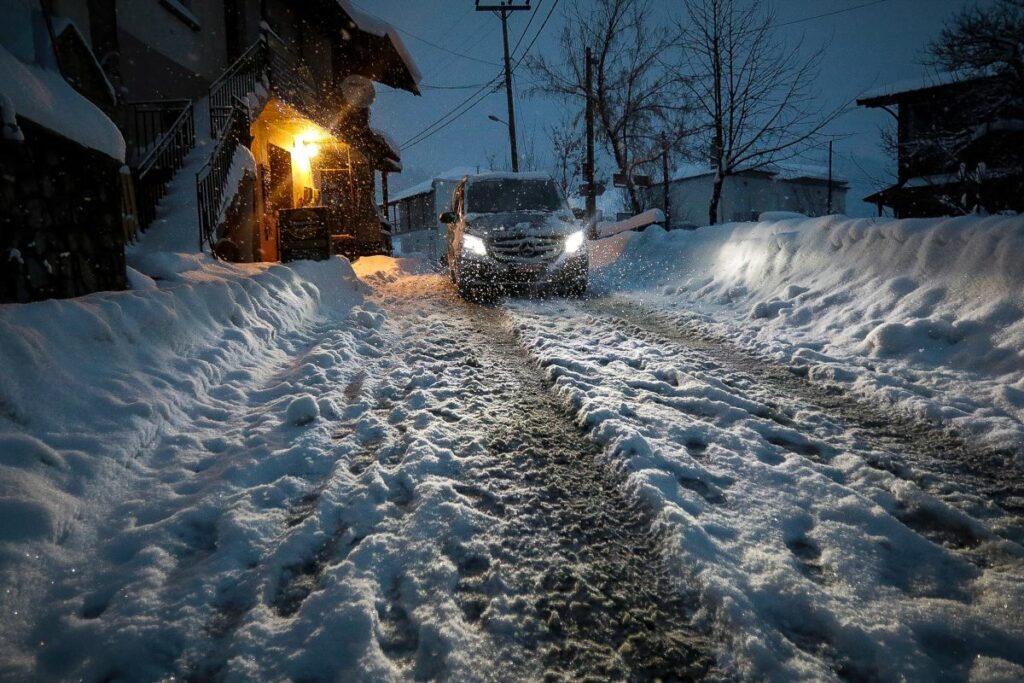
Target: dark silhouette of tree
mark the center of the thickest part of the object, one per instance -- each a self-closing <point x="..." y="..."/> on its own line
<point x="637" y="96"/>
<point x="755" y="101"/>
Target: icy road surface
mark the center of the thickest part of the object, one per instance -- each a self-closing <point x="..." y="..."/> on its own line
<point x="431" y="489"/>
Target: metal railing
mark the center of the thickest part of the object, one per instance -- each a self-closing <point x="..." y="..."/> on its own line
<point x="160" y="135"/>
<point x="267" y="62"/>
<point x="291" y="79"/>
<point x="211" y="180"/>
<point x="237" y="82"/>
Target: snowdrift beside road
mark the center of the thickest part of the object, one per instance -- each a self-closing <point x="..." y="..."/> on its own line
<point x="900" y="309"/>
<point x="90" y="385"/>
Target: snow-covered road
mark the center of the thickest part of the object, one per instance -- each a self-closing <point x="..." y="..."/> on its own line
<point x="423" y="488"/>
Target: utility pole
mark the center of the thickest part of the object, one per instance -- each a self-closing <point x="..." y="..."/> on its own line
<point x="665" y="181"/>
<point x="828" y="209"/>
<point x="588" y="172"/>
<point x="502" y="9"/>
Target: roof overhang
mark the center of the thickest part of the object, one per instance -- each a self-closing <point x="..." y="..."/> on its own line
<point x="372" y="46"/>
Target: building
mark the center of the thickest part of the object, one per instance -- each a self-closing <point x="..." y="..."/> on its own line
<point x="747" y="194"/>
<point x="281" y="90"/>
<point x="413" y="213"/>
<point x="959" y="146"/>
<point x="61" y="232"/>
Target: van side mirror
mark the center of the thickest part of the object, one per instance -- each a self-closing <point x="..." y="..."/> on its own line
<point x="447" y="217"/>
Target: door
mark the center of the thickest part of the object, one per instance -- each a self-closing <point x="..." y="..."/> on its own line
<point x="277" y="195"/>
<point x="280" y="179"/>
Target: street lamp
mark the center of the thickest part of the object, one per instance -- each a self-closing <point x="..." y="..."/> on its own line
<point x="492" y="117"/>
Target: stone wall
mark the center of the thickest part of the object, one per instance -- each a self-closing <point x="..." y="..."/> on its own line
<point x="61" y="232"/>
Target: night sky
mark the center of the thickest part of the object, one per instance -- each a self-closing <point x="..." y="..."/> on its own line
<point x="868" y="46"/>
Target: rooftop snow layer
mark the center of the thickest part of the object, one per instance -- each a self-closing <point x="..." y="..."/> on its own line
<point x="378" y="27"/>
<point x="426" y="186"/>
<point x="779" y="170"/>
<point x="44" y="97"/>
<point x="913" y="84"/>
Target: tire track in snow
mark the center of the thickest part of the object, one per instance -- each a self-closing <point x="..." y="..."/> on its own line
<point x="934" y="459"/>
<point x="783" y="453"/>
<point x="571" y="562"/>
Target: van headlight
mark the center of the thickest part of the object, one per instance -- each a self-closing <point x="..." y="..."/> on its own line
<point x="471" y="244"/>
<point x="573" y="242"/>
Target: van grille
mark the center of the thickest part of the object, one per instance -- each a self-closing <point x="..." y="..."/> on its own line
<point x="525" y="250"/>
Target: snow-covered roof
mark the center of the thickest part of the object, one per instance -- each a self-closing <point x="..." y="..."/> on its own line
<point x="925" y="82"/>
<point x="427" y="186"/>
<point x="778" y="170"/>
<point x="45" y="98"/>
<point x="378" y="27"/>
<point x="509" y="175"/>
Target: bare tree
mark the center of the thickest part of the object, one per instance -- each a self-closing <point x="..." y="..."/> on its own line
<point x="567" y="152"/>
<point x="636" y="97"/>
<point x="984" y="42"/>
<point x="980" y="135"/>
<point x="754" y="95"/>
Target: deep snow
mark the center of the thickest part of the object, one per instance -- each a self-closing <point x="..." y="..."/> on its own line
<point x="924" y="314"/>
<point x="274" y="471"/>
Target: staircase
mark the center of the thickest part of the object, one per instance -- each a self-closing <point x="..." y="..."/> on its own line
<point x="159" y="135"/>
<point x="266" y="68"/>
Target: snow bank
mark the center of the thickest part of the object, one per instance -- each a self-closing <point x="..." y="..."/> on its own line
<point x="925" y="313"/>
<point x="44" y="97"/>
<point x="89" y="385"/>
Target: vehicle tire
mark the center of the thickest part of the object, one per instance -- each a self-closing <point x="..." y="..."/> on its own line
<point x="577" y="287"/>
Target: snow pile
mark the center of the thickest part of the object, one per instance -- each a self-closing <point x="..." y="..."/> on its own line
<point x="91" y="386"/>
<point x="927" y="314"/>
<point x="44" y="97"/>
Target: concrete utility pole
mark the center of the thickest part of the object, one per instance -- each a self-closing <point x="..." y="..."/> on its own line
<point x="588" y="172"/>
<point x="502" y="9"/>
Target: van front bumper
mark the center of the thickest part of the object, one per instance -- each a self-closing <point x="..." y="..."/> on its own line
<point x="484" y="271"/>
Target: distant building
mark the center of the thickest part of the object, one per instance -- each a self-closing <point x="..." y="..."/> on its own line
<point x="960" y="144"/>
<point x="747" y="194"/>
<point x="413" y="213"/>
<point x="281" y="90"/>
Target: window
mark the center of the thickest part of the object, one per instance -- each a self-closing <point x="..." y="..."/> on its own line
<point x="510" y="194"/>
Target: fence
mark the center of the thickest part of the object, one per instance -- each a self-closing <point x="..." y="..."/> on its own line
<point x="211" y="180"/>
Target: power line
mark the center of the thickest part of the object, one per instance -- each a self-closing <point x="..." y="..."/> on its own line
<point x="522" y="35"/>
<point x="831" y="14"/>
<point x="433" y="127"/>
<point x="536" y="35"/>
<point x="430" y="43"/>
<point x="441" y="123"/>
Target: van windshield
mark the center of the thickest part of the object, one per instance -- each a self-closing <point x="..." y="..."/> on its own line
<point x="508" y="195"/>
